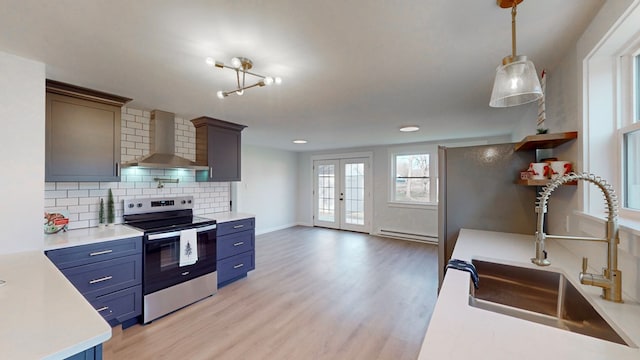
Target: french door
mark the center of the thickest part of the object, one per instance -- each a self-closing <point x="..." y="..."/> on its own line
<point x="341" y="194"/>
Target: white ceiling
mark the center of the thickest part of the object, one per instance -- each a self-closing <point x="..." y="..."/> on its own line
<point x="353" y="71"/>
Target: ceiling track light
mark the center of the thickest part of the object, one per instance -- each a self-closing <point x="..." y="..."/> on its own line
<point x="241" y="66"/>
<point x="516" y="81"/>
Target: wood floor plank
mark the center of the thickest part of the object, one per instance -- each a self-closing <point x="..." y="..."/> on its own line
<point x="315" y="294"/>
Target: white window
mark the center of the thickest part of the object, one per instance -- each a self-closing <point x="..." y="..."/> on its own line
<point x="630" y="139"/>
<point x="612" y="116"/>
<point x="413" y="179"/>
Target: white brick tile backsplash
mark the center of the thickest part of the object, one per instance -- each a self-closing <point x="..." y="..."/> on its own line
<point x="67" y="186"/>
<point x="133" y="111"/>
<point x="77" y="193"/>
<point x="55" y="194"/>
<point x="66" y="201"/>
<point x="88" y="185"/>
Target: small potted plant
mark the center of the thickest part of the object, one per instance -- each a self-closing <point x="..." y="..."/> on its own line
<point x="111" y="215"/>
<point x="101" y="214"/>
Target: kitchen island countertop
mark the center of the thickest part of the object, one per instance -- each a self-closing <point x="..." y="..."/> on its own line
<point x="459" y="331"/>
<point x="43" y="315"/>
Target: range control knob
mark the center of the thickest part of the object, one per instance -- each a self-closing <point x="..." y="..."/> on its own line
<point x="131" y="205"/>
<point x="183" y="202"/>
<point x="139" y="205"/>
<point x="189" y="201"/>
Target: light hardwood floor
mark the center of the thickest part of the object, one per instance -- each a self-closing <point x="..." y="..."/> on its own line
<point x="315" y="294"/>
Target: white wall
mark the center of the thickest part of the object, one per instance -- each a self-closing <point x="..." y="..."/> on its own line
<point x="415" y="220"/>
<point x="268" y="188"/>
<point x="565" y="112"/>
<point x="22" y="110"/>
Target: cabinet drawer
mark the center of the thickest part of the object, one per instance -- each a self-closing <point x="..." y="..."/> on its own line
<point x="235" y="266"/>
<point x="106" y="276"/>
<point x="119" y="306"/>
<point x="233" y="244"/>
<point x="86" y="254"/>
<point x="235" y="226"/>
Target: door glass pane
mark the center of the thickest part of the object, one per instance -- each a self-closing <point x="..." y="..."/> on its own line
<point x="632" y="170"/>
<point x="326" y="192"/>
<point x="354" y="193"/>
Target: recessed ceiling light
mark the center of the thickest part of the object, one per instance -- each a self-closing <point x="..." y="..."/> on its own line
<point x="300" y="141"/>
<point x="410" y="128"/>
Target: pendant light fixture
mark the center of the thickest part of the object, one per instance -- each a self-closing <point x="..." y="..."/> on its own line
<point x="516" y="80"/>
<point x="241" y="66"/>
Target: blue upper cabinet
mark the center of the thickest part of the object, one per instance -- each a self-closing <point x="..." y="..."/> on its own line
<point x="218" y="146"/>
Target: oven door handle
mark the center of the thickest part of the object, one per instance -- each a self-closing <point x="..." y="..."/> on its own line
<point x="171" y="234"/>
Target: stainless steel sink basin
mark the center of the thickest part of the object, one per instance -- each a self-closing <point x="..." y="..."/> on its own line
<point x="543" y="297"/>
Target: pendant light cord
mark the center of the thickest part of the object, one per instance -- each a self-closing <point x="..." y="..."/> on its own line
<point x="513" y="29"/>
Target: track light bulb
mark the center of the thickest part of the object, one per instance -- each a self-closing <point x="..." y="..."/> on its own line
<point x="268" y="80"/>
<point x="220" y="94"/>
<point x="278" y="80"/>
<point x="236" y="63"/>
<point x="210" y="61"/>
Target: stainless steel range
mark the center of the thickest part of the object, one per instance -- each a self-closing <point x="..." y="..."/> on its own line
<point x="179" y="253"/>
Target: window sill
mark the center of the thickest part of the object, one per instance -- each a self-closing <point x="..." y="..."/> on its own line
<point x="397" y="204"/>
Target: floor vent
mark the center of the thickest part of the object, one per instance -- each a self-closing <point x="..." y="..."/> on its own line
<point x="408" y="236"/>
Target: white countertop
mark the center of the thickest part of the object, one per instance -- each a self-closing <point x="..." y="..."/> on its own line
<point x="459" y="331"/>
<point x="228" y="216"/>
<point x="88" y="236"/>
<point x="42" y="316"/>
<point x="116" y="232"/>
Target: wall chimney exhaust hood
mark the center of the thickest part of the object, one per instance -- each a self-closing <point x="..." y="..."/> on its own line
<point x="162" y="142"/>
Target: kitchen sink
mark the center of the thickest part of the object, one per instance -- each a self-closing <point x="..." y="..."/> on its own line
<point x="540" y="296"/>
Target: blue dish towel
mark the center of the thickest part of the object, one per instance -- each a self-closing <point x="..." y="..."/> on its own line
<point x="465" y="266"/>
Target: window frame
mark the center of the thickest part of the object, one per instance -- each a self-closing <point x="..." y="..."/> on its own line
<point x="433" y="176"/>
<point x="609" y="94"/>
<point x="628" y="82"/>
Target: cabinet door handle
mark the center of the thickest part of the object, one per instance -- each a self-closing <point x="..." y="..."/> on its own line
<point x="95" y="281"/>
<point x="102" y="309"/>
<point x="238" y="266"/>
<point x="101" y="252"/>
<point x="117" y="169"/>
<point x="239" y="243"/>
<point x="238" y="226"/>
<point x="210" y="172"/>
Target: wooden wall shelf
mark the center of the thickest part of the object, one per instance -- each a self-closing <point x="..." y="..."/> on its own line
<point x="540" y="182"/>
<point x="545" y="141"/>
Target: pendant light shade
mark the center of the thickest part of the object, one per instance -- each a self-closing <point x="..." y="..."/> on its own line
<point x="516" y="83"/>
<point x="516" y="80"/>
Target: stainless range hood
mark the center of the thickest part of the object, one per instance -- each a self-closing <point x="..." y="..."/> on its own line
<point x="162" y="142"/>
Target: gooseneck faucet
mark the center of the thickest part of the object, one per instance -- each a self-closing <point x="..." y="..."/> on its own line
<point x="611" y="279"/>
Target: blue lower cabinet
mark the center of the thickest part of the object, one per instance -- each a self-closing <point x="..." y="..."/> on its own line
<point x="235" y="250"/>
<point x="95" y="353"/>
<point x="119" y="306"/>
<point x="108" y="275"/>
<point x="235" y="267"/>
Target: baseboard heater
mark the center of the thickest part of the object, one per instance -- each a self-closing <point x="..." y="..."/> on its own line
<point x="409" y="236"/>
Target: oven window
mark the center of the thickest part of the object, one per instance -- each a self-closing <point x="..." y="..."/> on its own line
<point x="170" y="255"/>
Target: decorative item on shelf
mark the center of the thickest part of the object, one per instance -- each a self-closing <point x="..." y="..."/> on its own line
<point x="111" y="215"/>
<point x="559" y="168"/>
<point x="516" y="81"/>
<point x="525" y="174"/>
<point x="241" y="66"/>
<point x="56" y="222"/>
<point x="101" y="213"/>
<point x="539" y="170"/>
<point x="542" y="111"/>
